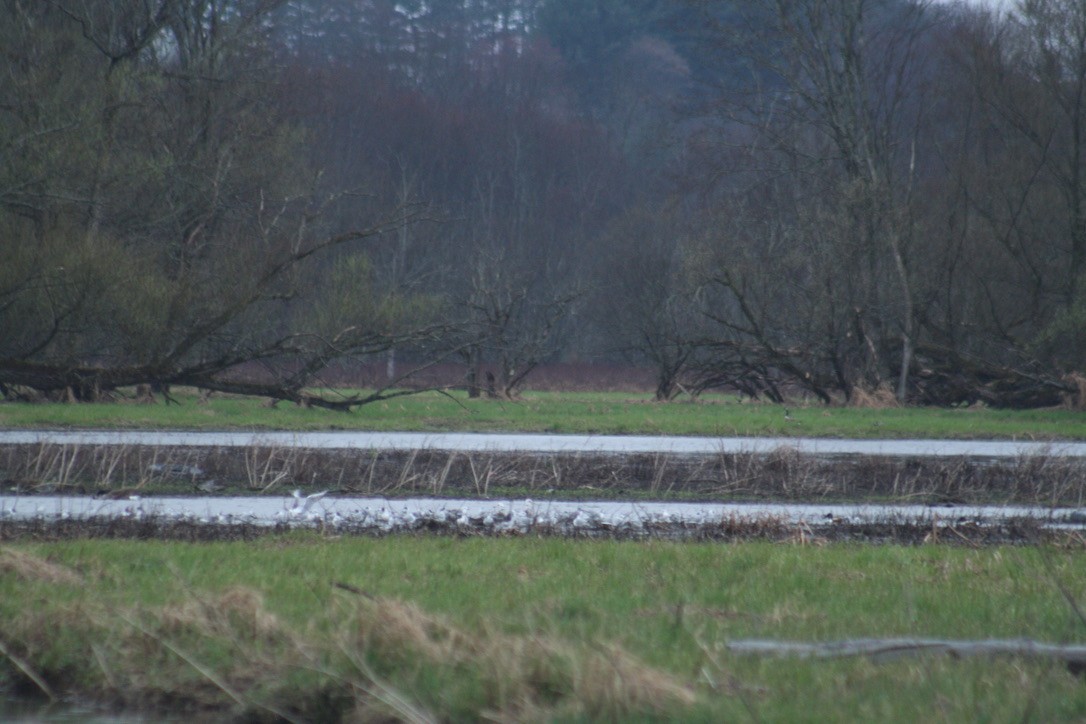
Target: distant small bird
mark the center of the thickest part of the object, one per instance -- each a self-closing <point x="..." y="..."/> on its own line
<point x="209" y="487"/>
<point x="788" y="414"/>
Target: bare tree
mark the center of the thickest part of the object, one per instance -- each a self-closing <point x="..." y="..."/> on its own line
<point x="648" y="305"/>
<point x="830" y="134"/>
<point x="1029" y="71"/>
<point x="161" y="225"/>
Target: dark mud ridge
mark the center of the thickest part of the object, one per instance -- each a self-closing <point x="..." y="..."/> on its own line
<point x="781" y="475"/>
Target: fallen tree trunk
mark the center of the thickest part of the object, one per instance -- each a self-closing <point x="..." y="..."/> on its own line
<point x="943" y="377"/>
<point x="1073" y="655"/>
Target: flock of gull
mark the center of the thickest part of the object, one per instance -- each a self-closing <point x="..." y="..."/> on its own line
<point x="511" y="517"/>
<point x="366" y="515"/>
<point x="503" y="517"/>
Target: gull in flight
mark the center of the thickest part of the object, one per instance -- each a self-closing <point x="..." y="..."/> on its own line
<point x="302" y="503"/>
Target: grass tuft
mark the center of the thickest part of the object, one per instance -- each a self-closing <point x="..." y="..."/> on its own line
<point x="238" y="611"/>
<point x="302" y="628"/>
<point x="878" y="398"/>
<point x="30" y="567"/>
<point x="525" y="673"/>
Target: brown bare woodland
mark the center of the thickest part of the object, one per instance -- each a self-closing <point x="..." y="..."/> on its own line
<point x="829" y="197"/>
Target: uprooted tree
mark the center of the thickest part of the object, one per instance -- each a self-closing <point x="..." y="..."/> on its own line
<point x="157" y="225"/>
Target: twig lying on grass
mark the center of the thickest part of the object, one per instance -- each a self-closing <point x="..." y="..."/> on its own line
<point x="1074" y="656"/>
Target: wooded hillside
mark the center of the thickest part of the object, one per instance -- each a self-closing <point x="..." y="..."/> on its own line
<point x="844" y="197"/>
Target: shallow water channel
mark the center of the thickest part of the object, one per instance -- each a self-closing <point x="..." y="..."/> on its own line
<point x="494" y="442"/>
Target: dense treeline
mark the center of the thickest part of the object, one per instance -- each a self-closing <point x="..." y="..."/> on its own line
<point x="844" y="197"/>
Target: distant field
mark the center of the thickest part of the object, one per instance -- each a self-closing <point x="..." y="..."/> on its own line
<point x="317" y="629"/>
<point x="562" y="412"/>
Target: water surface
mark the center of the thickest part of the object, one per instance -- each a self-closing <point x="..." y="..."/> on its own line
<point x="505" y="442"/>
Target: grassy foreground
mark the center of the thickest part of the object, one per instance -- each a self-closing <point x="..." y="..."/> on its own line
<point x="565" y="412"/>
<point x="305" y="628"/>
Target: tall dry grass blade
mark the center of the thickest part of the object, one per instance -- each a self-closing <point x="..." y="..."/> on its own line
<point x="385" y="692"/>
<point x="439" y="482"/>
<point x="1064" y="591"/>
<point x="100" y="659"/>
<point x="27" y="670"/>
<point x="659" y="464"/>
<point x="407" y="475"/>
<point x="64" y="472"/>
<point x="371" y="472"/>
<point x="208" y="674"/>
<point x="613" y="681"/>
<point x="112" y="457"/>
<point x="735" y="687"/>
<point x="474" y="475"/>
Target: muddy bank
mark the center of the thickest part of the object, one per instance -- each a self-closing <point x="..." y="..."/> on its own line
<point x="1013" y="532"/>
<point x="244" y="518"/>
<point x="781" y="475"/>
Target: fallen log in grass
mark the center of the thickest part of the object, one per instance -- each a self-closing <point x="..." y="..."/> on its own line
<point x="1073" y="656"/>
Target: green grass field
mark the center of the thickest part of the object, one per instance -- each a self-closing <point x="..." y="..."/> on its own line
<point x="306" y="628"/>
<point x="573" y="412"/>
<point x="316" y="629"/>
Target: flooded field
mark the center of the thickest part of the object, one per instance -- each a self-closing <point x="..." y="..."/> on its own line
<point x="782" y="475"/>
<point x="462" y="484"/>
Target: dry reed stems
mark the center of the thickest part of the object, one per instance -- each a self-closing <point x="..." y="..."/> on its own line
<point x="783" y="474"/>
